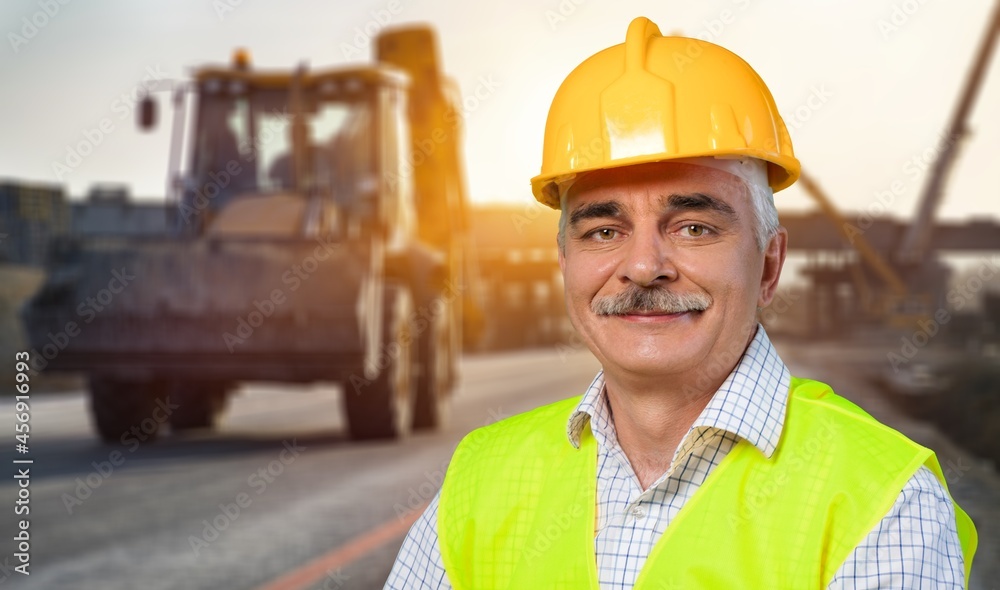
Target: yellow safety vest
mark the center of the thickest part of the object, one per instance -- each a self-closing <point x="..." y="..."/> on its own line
<point x="517" y="507"/>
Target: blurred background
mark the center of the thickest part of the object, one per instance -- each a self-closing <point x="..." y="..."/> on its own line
<point x="273" y="260"/>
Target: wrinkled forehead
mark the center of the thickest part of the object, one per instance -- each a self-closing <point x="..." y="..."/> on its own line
<point x="714" y="175"/>
<point x="751" y="171"/>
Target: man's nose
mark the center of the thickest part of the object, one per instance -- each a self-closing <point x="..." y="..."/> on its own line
<point x="647" y="259"/>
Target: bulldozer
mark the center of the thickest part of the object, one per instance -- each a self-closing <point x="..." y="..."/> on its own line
<point x="318" y="234"/>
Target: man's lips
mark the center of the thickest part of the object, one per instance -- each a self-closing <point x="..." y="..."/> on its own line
<point x="654" y="316"/>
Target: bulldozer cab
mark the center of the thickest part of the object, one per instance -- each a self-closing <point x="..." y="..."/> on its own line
<point x="279" y="153"/>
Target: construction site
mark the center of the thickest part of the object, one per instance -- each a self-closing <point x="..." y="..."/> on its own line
<point x="256" y="375"/>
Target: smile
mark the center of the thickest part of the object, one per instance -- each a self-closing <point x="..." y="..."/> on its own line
<point x="646" y="317"/>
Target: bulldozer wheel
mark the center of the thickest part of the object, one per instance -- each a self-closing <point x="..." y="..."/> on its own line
<point x="125" y="409"/>
<point x="430" y="409"/>
<point x="199" y="405"/>
<point x="382" y="408"/>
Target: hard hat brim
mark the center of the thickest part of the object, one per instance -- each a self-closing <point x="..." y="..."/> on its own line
<point x="782" y="172"/>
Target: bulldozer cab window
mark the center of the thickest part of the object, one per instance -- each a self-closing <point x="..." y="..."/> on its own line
<point x="340" y="141"/>
<point x="255" y="131"/>
<point x="223" y="142"/>
<point x="337" y="145"/>
<point x="272" y="125"/>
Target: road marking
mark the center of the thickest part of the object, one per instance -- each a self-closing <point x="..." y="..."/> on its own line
<point x="344" y="555"/>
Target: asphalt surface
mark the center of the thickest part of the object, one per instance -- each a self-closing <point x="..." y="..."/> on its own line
<point x="279" y="498"/>
<point x="137" y="519"/>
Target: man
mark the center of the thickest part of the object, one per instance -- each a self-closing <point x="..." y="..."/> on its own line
<point x="694" y="460"/>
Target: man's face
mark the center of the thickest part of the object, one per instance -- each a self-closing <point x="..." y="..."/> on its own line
<point x="684" y="229"/>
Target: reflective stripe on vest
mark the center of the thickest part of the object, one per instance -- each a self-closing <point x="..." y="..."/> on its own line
<point x="517" y="507"/>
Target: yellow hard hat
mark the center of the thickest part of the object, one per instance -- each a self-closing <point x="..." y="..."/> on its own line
<point x="657" y="98"/>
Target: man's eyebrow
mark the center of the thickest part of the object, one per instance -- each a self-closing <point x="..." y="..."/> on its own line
<point x="599" y="209"/>
<point x="699" y="201"/>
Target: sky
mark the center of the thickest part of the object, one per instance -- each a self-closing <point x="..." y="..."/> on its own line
<point x="866" y="86"/>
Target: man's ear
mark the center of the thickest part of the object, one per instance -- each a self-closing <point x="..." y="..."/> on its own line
<point x="774" y="260"/>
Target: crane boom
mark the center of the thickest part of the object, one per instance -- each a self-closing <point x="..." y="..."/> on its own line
<point x="917" y="238"/>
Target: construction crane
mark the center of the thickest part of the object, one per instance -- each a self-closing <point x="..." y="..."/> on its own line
<point x="905" y="295"/>
<point x="916" y="242"/>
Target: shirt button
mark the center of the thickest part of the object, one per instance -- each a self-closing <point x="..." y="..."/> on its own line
<point x="638" y="511"/>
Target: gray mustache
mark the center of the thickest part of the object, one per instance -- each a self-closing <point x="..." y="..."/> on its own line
<point x="646" y="300"/>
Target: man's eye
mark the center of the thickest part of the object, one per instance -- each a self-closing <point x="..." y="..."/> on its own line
<point x="695" y="230"/>
<point x="604" y="234"/>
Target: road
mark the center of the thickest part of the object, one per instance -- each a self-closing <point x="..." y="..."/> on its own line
<point x="278" y="498"/>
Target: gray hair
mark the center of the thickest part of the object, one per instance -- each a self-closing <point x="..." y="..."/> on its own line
<point x="761" y="198"/>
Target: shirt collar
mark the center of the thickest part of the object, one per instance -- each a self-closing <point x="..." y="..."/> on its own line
<point x="750" y="403"/>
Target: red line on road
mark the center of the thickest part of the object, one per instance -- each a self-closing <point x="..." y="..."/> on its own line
<point x="346" y="554"/>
